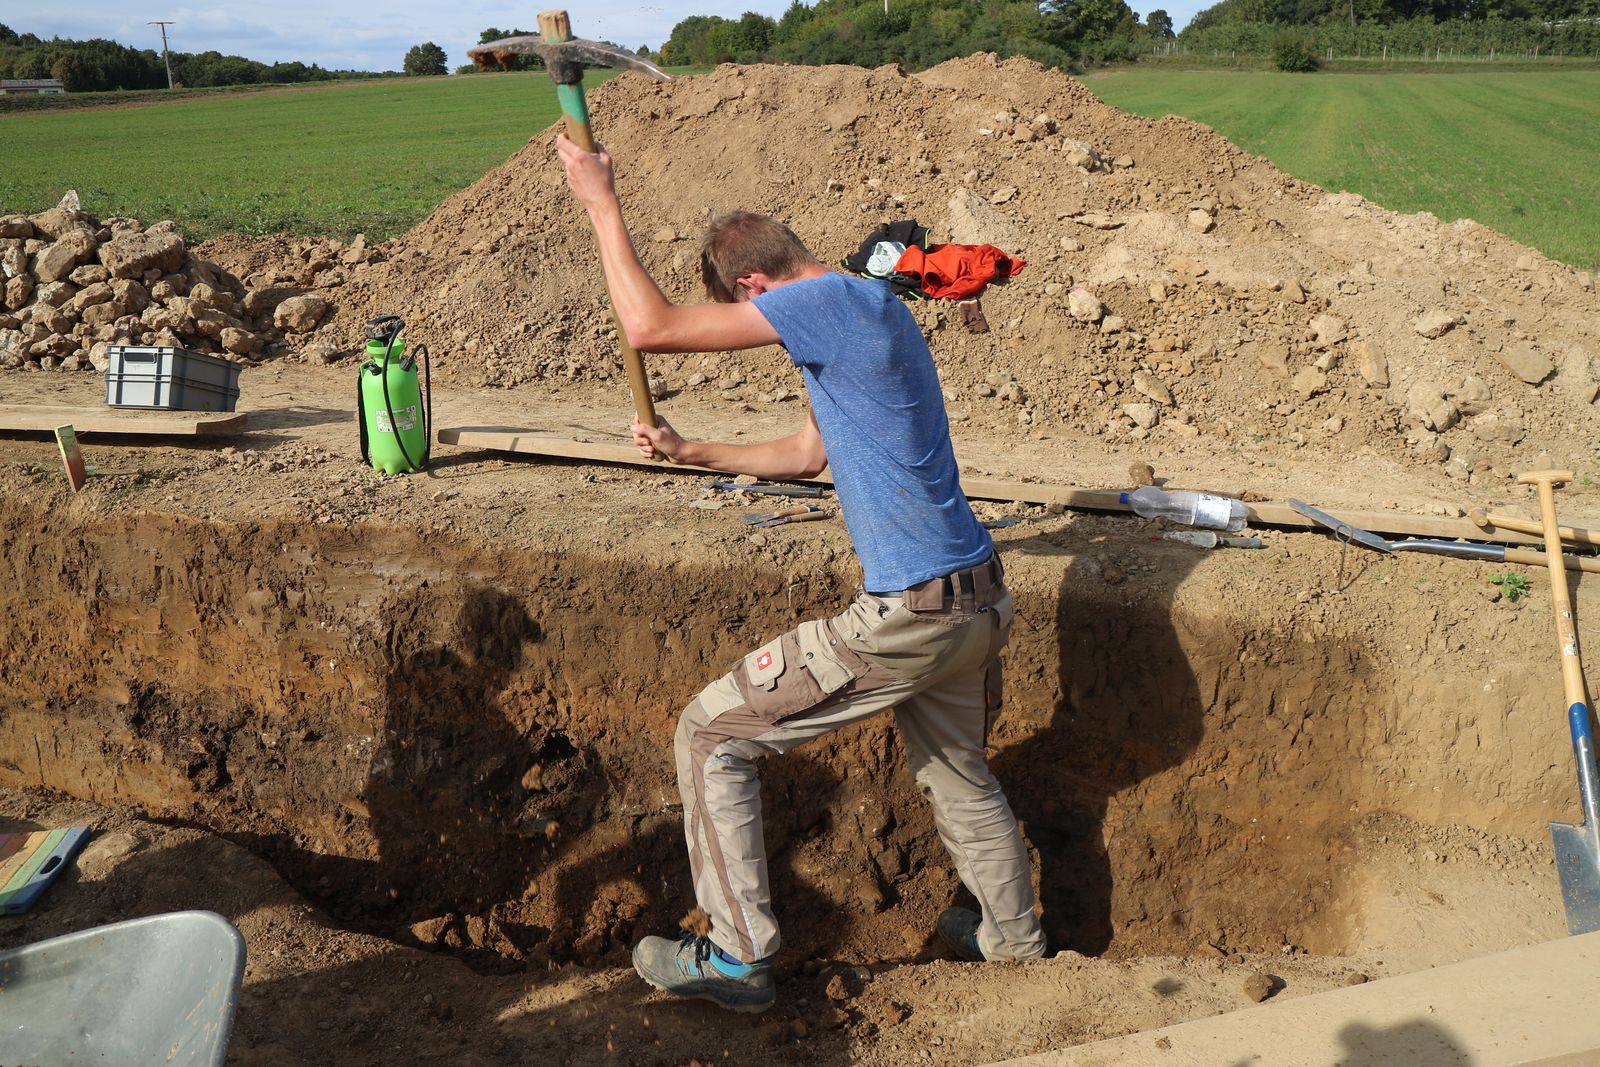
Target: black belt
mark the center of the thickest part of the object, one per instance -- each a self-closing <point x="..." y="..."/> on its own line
<point x="967" y="590"/>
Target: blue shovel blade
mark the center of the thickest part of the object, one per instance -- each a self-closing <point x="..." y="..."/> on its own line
<point x="1578" y="847"/>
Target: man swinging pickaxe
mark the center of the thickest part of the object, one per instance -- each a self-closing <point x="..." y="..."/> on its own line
<point x="565" y="57"/>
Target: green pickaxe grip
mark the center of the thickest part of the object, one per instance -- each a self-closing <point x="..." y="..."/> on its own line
<point x="575" y="109"/>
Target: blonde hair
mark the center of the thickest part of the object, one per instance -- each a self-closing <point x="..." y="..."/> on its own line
<point x="738" y="243"/>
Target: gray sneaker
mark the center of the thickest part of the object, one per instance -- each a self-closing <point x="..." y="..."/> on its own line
<point x="692" y="967"/>
<point x="958" y="928"/>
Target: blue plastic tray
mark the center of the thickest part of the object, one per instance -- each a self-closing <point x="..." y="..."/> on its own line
<point x="29" y="862"/>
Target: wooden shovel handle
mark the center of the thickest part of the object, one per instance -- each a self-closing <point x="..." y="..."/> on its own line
<point x="1489" y="520"/>
<point x="555" y="27"/>
<point x="1531" y="557"/>
<point x="1560" y="594"/>
<point x="1551" y="477"/>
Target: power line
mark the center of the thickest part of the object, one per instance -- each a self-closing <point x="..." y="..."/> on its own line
<point x="165" y="56"/>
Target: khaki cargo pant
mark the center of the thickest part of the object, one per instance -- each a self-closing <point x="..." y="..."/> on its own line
<point x="939" y="669"/>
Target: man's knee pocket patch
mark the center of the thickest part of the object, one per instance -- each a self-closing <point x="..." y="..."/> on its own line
<point x="716" y="699"/>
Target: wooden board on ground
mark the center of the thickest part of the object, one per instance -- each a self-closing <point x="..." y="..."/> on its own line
<point x="1529" y="1007"/>
<point x="104" y="420"/>
<point x="532" y="443"/>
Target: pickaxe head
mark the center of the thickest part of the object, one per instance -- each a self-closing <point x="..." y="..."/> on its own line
<point x="565" y="60"/>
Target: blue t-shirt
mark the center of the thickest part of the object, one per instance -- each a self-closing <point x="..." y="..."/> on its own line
<point x="876" y="397"/>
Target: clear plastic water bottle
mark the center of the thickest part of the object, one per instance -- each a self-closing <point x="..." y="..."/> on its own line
<point x="1189" y="508"/>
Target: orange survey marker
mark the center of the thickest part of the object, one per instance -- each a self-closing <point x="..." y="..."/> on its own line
<point x="71" y="457"/>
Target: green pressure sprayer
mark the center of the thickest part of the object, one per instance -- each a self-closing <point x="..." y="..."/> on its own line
<point x="394" y="410"/>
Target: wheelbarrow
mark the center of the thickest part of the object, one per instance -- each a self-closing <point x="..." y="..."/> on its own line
<point x="158" y="990"/>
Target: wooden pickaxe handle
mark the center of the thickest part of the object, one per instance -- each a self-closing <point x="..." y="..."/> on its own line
<point x="1488" y="520"/>
<point x="555" y="27"/>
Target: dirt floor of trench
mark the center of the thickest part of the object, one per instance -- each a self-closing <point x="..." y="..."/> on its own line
<point x="413" y="736"/>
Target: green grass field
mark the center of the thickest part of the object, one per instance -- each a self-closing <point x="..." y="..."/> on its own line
<point x="1516" y="151"/>
<point x="360" y="157"/>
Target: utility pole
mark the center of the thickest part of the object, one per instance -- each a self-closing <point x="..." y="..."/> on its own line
<point x="165" y="56"/>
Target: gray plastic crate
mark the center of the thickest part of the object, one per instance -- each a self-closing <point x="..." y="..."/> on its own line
<point x="146" y="376"/>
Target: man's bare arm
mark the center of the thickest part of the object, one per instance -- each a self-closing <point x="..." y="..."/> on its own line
<point x="651" y="321"/>
<point x="800" y="455"/>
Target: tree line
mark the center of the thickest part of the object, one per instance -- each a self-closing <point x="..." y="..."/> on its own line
<point x="920" y="33"/>
<point x="1423" y="29"/>
<point x="1416" y="38"/>
<point x="1385" y="12"/>
<point x="1399" y="28"/>
<point x="100" y="65"/>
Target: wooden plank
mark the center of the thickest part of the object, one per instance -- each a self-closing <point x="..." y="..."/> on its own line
<point x="530" y="443"/>
<point x="1529" y="1007"/>
<point x="156" y="423"/>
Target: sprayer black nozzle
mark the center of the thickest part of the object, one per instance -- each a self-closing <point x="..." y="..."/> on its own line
<point x="384" y="327"/>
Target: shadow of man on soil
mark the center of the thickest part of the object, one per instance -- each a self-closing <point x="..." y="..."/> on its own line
<point x="1127" y="708"/>
<point x="444" y="790"/>
<point x="441" y="792"/>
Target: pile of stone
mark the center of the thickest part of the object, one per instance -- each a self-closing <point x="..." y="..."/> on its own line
<point x="74" y="286"/>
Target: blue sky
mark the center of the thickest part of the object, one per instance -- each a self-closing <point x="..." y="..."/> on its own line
<point x="351" y="36"/>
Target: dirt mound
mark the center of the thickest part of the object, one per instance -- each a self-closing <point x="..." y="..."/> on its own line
<point x="1224" y="302"/>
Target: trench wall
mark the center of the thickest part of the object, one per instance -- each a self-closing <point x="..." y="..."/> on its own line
<point x="417" y="726"/>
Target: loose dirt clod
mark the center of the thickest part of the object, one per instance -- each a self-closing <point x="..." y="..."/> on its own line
<point x="1259" y="986"/>
<point x="697" y="922"/>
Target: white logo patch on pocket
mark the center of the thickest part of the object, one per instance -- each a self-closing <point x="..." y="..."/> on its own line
<point x="764" y="666"/>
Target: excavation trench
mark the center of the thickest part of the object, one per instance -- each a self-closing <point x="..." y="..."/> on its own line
<point x="469" y="746"/>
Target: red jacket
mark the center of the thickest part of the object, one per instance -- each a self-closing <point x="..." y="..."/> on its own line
<point x="952" y="272"/>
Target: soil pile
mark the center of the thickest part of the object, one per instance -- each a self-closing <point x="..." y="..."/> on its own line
<point x="1176" y="289"/>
